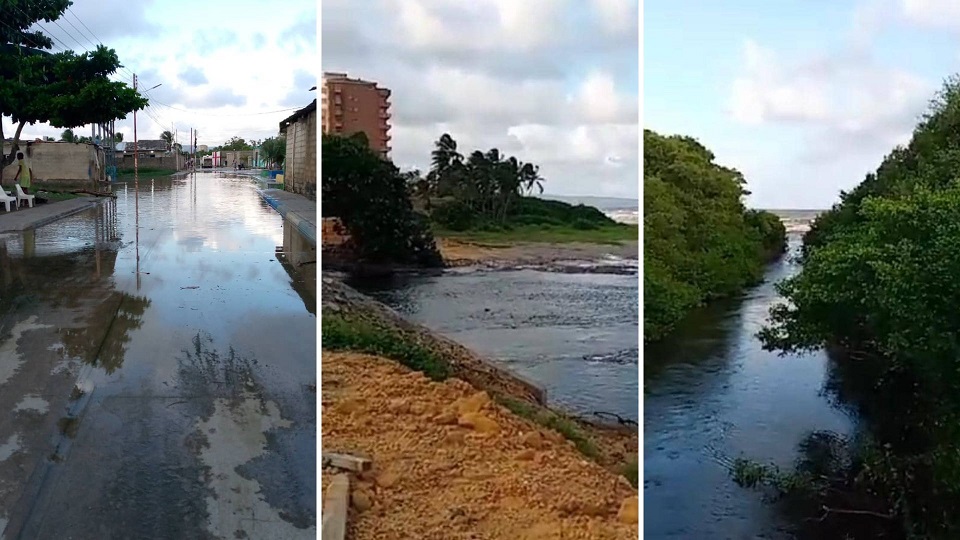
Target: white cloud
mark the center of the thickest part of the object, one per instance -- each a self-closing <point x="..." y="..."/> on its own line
<point x="618" y="16"/>
<point x="498" y="74"/>
<point x="845" y="92"/>
<point x="216" y="79"/>
<point x="934" y="13"/>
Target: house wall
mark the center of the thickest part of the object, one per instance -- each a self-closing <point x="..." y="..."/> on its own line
<point x="300" y="167"/>
<point x="173" y="162"/>
<point x="58" y="163"/>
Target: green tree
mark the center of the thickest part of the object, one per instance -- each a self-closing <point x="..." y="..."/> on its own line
<point x="118" y="137"/>
<point x="63" y="89"/>
<point x="371" y="199"/>
<point x="236" y="143"/>
<point x="700" y="242"/>
<point x="486" y="183"/>
<point x="880" y="285"/>
<point x="68" y="136"/>
<point x="274" y="149"/>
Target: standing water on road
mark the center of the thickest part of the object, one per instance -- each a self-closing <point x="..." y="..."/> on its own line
<point x="159" y="381"/>
<point x="712" y="395"/>
<point x="574" y="334"/>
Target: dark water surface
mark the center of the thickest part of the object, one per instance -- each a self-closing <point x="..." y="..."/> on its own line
<point x="574" y="334"/>
<point x="712" y="395"/>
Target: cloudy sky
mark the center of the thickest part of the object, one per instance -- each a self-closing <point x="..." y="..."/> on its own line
<point x="553" y="82"/>
<point x="220" y="64"/>
<point x="804" y="96"/>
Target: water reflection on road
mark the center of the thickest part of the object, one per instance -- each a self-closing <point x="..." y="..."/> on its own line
<point x="711" y="395"/>
<point x="176" y="354"/>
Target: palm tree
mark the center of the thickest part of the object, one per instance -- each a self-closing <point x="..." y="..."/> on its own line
<point x="445" y="165"/>
<point x="167" y="137"/>
<point x="530" y="178"/>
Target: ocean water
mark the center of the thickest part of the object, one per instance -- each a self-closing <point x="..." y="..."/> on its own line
<point x="617" y="208"/>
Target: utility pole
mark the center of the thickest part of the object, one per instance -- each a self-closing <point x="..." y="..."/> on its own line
<point x="136" y="151"/>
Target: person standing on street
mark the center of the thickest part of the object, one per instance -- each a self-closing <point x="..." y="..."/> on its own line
<point x="24" y="173"/>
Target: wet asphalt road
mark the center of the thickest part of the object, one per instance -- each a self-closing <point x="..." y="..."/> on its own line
<point x="173" y="402"/>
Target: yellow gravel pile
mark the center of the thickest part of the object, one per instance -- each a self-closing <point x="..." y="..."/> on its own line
<point x="448" y="463"/>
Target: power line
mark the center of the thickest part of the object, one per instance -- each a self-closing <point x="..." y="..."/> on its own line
<point x="78" y="30"/>
<point x="94" y="36"/>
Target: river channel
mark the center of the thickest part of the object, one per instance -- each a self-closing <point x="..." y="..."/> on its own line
<point x="712" y="394"/>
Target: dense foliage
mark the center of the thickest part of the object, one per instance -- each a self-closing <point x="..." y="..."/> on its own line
<point x="484" y="184"/>
<point x="64" y="89"/>
<point x="274" y="150"/>
<point x="700" y="243"/>
<point x="881" y="281"/>
<point x="370" y="198"/>
<point x="491" y="192"/>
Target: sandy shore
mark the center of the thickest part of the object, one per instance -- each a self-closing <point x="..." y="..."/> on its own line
<point x="461" y="253"/>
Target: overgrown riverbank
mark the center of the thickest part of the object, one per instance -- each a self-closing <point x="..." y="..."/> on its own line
<point x="700" y="242"/>
<point x="881" y="285"/>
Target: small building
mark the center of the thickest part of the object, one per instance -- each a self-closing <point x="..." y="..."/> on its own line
<point x="151" y="153"/>
<point x="58" y="163"/>
<point x="300" y="167"/>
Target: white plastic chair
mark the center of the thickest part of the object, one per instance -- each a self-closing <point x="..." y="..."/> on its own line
<point x="21" y="196"/>
<point x="6" y="199"/>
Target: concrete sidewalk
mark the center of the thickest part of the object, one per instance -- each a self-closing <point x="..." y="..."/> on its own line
<point x="300" y="211"/>
<point x="29" y="218"/>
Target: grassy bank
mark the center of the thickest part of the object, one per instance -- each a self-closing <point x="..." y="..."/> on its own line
<point x="612" y="234"/>
<point x="530" y="219"/>
<point x="128" y="174"/>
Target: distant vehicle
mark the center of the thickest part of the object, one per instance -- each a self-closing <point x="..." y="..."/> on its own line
<point x="207" y="162"/>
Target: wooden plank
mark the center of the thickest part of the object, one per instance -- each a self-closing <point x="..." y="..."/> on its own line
<point x="333" y="525"/>
<point x="346" y="462"/>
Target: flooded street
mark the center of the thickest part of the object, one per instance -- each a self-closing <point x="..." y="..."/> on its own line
<point x="713" y="395"/>
<point x="574" y="334"/>
<point x="159" y="382"/>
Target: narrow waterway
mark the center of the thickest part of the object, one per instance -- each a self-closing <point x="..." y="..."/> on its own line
<point x="158" y="368"/>
<point x="712" y="395"/>
<point x="574" y="334"/>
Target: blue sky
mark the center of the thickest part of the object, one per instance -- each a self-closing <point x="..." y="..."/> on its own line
<point x="804" y="97"/>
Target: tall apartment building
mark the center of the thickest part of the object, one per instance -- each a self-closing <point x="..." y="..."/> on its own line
<point x="350" y="105"/>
